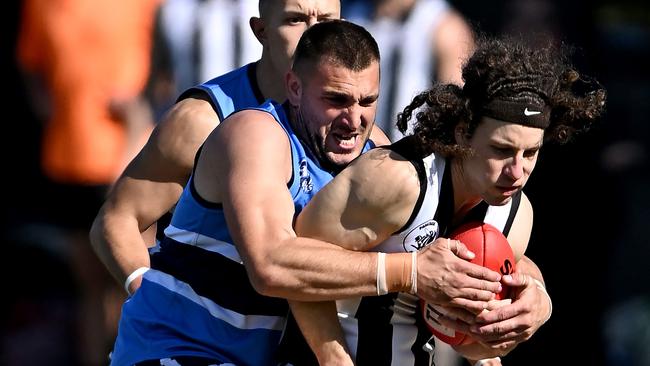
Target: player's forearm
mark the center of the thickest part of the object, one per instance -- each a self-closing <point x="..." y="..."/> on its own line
<point x="311" y="270"/>
<point x="528" y="267"/>
<point x="319" y="324"/>
<point x="119" y="245"/>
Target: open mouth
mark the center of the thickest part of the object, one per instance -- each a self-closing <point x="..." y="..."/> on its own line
<point x="346" y="142"/>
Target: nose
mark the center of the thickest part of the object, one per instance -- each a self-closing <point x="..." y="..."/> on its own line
<point x="515" y="168"/>
<point x="352" y="117"/>
<point x="312" y="20"/>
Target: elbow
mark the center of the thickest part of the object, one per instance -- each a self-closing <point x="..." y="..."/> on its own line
<point x="265" y="278"/>
<point x="96" y="231"/>
<point x="261" y="284"/>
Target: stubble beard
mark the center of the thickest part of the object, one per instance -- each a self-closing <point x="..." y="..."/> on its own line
<point x="312" y="141"/>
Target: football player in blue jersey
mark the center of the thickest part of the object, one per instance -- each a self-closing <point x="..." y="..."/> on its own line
<point x="151" y="185"/>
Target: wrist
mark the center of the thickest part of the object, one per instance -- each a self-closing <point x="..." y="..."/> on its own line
<point x="132" y="277"/>
<point x="400" y="271"/>
<point x="333" y="353"/>
<point x="540" y="286"/>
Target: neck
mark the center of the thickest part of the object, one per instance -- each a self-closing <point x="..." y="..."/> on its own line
<point x="464" y="199"/>
<point x="270" y="80"/>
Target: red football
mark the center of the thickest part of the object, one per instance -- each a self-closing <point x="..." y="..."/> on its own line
<point x="492" y="251"/>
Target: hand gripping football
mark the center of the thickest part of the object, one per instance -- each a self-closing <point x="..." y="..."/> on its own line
<point x="492" y="251"/>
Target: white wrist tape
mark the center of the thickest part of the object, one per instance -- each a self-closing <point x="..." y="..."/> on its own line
<point x="541" y="286"/>
<point x="382" y="286"/>
<point x="414" y="272"/>
<point x="135" y="274"/>
<point x="485" y="360"/>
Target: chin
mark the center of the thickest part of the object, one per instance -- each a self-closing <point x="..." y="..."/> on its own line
<point x="498" y="200"/>
<point x="342" y="160"/>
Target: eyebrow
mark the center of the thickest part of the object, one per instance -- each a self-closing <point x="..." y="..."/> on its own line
<point x="503" y="144"/>
<point x="301" y="13"/>
<point x="369" y="98"/>
<point x="333" y="93"/>
<point x="364" y="99"/>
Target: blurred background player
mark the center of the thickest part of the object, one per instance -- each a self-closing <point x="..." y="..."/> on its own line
<point x="421" y="42"/>
<point x="196" y="40"/>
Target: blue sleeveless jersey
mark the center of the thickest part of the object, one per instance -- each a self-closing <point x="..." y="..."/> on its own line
<point x="231" y="92"/>
<point x="197" y="299"/>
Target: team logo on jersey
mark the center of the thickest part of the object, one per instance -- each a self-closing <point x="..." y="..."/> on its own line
<point x="421" y="236"/>
<point x="306" y="184"/>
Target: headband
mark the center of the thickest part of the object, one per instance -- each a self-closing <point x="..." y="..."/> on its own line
<point x="518" y="112"/>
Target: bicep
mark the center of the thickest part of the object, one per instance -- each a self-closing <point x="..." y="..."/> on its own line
<point x="153" y="182"/>
<point x="246" y="165"/>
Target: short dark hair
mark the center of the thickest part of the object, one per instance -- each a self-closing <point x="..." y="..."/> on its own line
<point x="338" y="41"/>
<point x="263" y="7"/>
<point x="503" y="72"/>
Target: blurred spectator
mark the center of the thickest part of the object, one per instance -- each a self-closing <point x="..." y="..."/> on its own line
<point x="85" y="63"/>
<point x="624" y="33"/>
<point x="421" y="41"/>
<point x="538" y="20"/>
<point x="194" y="40"/>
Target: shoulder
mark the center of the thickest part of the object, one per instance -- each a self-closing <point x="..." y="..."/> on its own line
<point x="254" y="122"/>
<point x="188" y="120"/>
<point x="254" y="131"/>
<point x="365" y="203"/>
<point x="177" y="137"/>
<point x="383" y="164"/>
<point x="385" y="180"/>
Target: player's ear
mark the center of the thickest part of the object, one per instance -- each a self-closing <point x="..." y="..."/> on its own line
<point x="293" y="85"/>
<point x="259" y="29"/>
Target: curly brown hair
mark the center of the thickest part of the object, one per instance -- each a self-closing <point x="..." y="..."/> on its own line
<point x="509" y="71"/>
